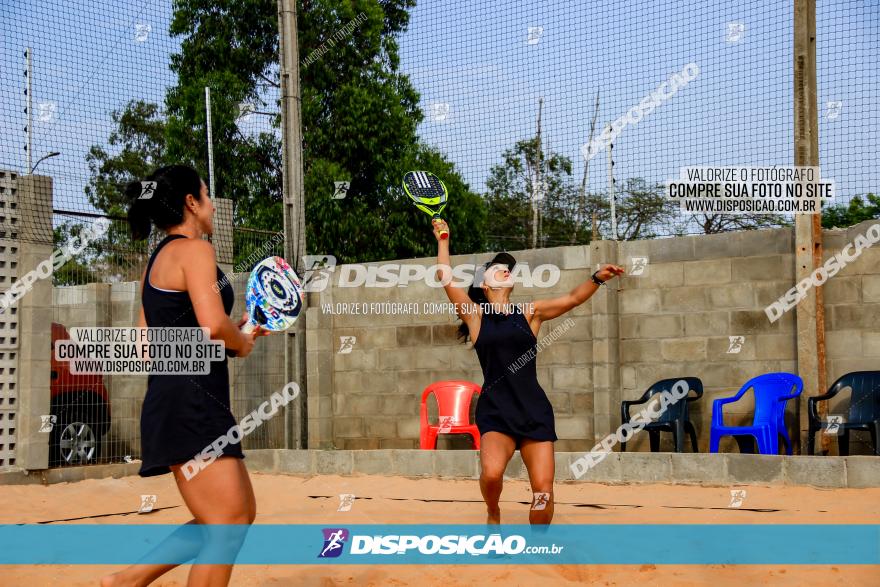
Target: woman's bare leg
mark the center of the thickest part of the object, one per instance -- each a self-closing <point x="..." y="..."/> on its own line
<point x="496" y="450"/>
<point x="219" y="494"/>
<point x="538" y="459"/>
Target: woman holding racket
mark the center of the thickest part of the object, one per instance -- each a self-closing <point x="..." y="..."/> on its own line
<point x="513" y="412"/>
<point x="184" y="414"/>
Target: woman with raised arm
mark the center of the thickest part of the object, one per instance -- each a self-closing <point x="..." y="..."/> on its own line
<point x="182" y="415"/>
<point x="513" y="412"/>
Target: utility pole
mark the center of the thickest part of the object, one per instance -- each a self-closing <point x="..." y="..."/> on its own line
<point x="536" y="183"/>
<point x="810" y="312"/>
<point x="210" y="142"/>
<point x="296" y="432"/>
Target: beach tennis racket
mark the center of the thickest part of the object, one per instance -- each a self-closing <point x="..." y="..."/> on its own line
<point x="273" y="296"/>
<point x="428" y="194"/>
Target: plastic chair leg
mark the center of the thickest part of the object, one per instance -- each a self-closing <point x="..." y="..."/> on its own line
<point x="783" y="431"/>
<point x="692" y="432"/>
<point x="765" y="445"/>
<point x="875" y="437"/>
<point x="843" y="443"/>
<point x="678" y="435"/>
<point x="811" y="440"/>
<point x="654" y="436"/>
<point x="714" y="439"/>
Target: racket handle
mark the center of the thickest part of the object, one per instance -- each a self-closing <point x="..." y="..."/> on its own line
<point x="444" y="234"/>
<point x="248" y="327"/>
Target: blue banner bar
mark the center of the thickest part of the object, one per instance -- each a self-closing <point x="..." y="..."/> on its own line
<point x="630" y="544"/>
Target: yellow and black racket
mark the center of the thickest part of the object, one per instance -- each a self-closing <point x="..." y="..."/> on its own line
<point x="428" y="194"/>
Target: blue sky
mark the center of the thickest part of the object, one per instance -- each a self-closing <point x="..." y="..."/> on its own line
<point x="475" y="56"/>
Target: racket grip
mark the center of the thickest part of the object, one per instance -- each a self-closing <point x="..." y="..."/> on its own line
<point x="248" y="327"/>
<point x="444" y="234"/>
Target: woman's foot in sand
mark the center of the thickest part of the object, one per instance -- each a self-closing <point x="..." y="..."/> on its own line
<point x="494" y="516"/>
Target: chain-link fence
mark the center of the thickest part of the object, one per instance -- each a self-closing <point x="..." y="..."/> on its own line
<point x="508" y="102"/>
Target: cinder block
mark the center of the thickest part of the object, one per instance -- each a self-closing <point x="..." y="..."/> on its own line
<point x="639" y="301"/>
<point x="573" y="427"/>
<point x="683" y="349"/>
<point x="862" y="471"/>
<point x="517" y="470"/>
<point x="646" y="326"/>
<point x="746" y="468"/>
<point x="296" y="462"/>
<point x="701" y="468"/>
<point x="767" y="242"/>
<point x="356" y="360"/>
<point x="573" y="377"/>
<point x="413" y="463"/>
<point x="860" y="317"/>
<point x="262" y="460"/>
<point x="752" y="322"/>
<point x="348" y="427"/>
<point x="871" y="344"/>
<point x="607" y="470"/>
<point x="775" y="346"/>
<point x="646" y="467"/>
<point x="408" y="427"/>
<point x="713" y="246"/>
<point x="685" y="299"/>
<point x="842" y="290"/>
<point x="561" y="401"/>
<point x="333" y="462"/>
<point x="712" y="272"/>
<point x="400" y="404"/>
<point x="815" y="471"/>
<point x="373" y="462"/>
<point x="457" y="463"/>
<point x="413" y="336"/>
<point x="445" y="334"/>
<point x="758" y="268"/>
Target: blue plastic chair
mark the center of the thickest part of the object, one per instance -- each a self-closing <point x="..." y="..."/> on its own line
<point x="771" y="391"/>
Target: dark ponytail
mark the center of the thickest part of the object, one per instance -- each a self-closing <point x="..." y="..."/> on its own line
<point x="163" y="206"/>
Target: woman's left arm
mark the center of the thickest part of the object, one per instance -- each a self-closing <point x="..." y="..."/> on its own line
<point x="555" y="307"/>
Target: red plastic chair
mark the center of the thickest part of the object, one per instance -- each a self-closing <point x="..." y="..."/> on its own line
<point x="454" y="407"/>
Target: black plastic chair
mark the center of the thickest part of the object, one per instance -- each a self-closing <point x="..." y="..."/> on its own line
<point x="675" y="419"/>
<point x="864" y="410"/>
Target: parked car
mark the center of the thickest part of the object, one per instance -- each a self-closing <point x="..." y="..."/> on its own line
<point x="81" y="407"/>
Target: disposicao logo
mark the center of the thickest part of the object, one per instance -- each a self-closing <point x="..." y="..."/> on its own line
<point x="334" y="540"/>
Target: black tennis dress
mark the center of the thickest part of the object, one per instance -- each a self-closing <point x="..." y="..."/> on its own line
<point x="511" y="402"/>
<point x="182" y="414"/>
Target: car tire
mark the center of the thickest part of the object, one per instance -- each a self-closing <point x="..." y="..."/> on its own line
<point x="76" y="437"/>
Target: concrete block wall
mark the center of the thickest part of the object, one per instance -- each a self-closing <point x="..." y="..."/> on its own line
<point x="9" y="271"/>
<point x="369" y="397"/>
<point x="852" y="322"/>
<point x="673" y="320"/>
<point x="677" y="316"/>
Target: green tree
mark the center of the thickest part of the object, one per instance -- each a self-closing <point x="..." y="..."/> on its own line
<point x="843" y="215"/>
<point x="135" y="147"/>
<point x="528" y="173"/>
<point x="642" y="210"/>
<point x="359" y="116"/>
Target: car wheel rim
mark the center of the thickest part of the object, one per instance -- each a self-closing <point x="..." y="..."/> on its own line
<point x="77" y="443"/>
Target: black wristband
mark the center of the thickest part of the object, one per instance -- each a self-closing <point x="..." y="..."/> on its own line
<point x="596" y="280"/>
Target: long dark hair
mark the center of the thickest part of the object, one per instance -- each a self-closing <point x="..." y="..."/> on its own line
<point x="164" y="206"/>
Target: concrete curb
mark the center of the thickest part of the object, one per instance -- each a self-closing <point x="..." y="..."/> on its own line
<point x="709" y="470"/>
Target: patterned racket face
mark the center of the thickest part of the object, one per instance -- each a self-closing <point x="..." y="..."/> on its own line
<point x="425" y="188"/>
<point x="274" y="294"/>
